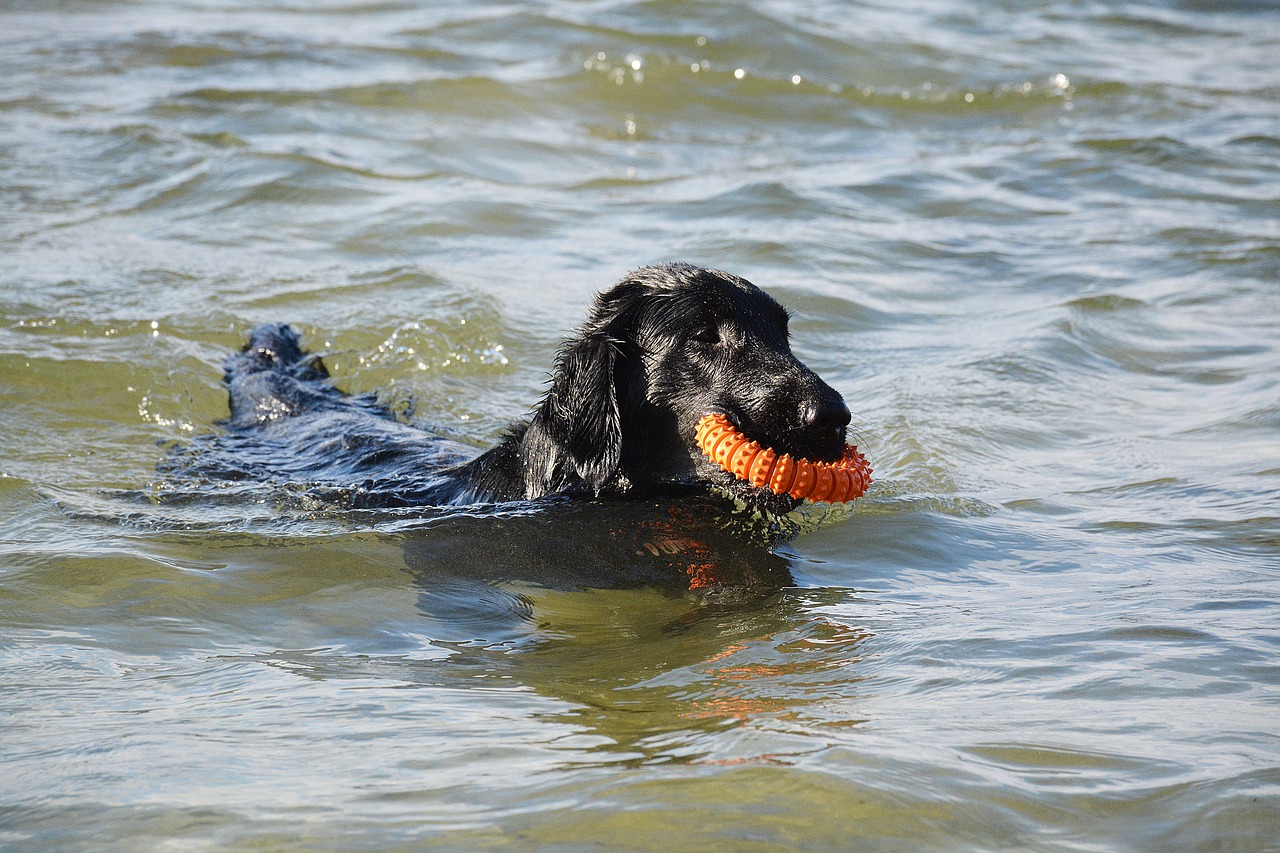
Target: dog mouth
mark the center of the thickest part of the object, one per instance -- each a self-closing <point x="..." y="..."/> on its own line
<point x="765" y="469"/>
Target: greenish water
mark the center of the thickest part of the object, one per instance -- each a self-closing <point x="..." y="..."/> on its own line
<point x="1036" y="246"/>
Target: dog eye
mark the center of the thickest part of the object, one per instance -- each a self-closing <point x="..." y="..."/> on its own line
<point x="707" y="335"/>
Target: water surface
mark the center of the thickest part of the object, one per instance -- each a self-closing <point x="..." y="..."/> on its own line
<point x="1036" y="248"/>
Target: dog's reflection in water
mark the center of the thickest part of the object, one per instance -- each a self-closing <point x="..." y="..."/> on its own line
<point x="483" y="576"/>
<point x="646" y="624"/>
<point x="681" y="545"/>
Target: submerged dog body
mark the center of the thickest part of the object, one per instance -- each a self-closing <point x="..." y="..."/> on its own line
<point x="660" y="349"/>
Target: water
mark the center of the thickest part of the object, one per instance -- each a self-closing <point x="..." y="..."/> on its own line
<point x="1035" y="246"/>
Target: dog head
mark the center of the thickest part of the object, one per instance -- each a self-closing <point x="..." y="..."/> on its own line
<point x="662" y="348"/>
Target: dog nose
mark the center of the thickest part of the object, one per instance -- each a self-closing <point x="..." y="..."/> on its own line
<point x="826" y="416"/>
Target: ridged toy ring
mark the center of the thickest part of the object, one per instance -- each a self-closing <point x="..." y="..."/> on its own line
<point x="843" y="480"/>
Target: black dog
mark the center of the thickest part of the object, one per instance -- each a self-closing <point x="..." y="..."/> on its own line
<point x="660" y="349"/>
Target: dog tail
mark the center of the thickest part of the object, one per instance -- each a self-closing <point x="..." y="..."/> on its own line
<point x="274" y="347"/>
<point x="273" y="377"/>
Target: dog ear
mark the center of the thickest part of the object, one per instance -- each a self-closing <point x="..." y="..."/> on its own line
<point x="576" y="432"/>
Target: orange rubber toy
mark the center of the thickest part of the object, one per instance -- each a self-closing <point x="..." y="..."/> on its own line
<point x="831" y="482"/>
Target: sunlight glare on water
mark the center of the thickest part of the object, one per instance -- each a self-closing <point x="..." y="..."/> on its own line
<point x="1035" y="247"/>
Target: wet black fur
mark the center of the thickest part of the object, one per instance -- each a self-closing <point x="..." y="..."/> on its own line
<point x="660" y="349"/>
